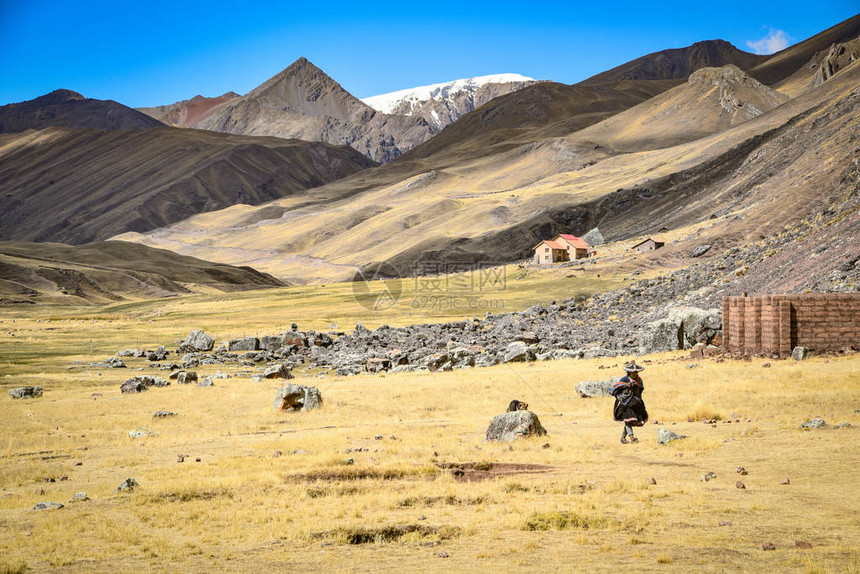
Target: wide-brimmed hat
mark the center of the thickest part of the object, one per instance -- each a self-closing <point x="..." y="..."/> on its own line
<point x="632" y="367"/>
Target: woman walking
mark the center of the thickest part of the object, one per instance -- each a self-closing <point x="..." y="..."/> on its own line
<point x="629" y="407"/>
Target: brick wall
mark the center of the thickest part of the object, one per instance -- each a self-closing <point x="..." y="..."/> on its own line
<point x="775" y="324"/>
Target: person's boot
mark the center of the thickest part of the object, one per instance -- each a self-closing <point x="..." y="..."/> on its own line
<point x="624" y="440"/>
<point x="633" y="439"/>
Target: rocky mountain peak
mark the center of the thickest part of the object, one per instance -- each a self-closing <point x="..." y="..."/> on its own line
<point x="60" y="96"/>
<point x="304" y="89"/>
<point x="738" y="90"/>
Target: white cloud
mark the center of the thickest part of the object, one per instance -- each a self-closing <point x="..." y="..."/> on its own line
<point x="775" y="41"/>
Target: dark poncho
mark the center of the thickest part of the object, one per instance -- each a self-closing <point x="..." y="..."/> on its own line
<point x="629" y="407"/>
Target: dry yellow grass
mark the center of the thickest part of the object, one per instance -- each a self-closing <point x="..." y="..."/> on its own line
<point x="276" y="491"/>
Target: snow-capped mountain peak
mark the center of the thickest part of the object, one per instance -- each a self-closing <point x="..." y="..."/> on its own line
<point x="441" y="104"/>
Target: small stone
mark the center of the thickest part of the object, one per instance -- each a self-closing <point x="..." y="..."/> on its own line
<point x="47" y="506"/>
<point x="163" y="414"/>
<point x="545" y="445"/>
<point x="127" y="485"/>
<point x="442" y="554"/>
<point x="768" y="546"/>
<point x="843" y="426"/>
<point x="377" y="437"/>
<point x="740" y="485"/>
<point x="785" y="481"/>
<point x="197" y="459"/>
<point x="814" y="424"/>
<point x="80" y="497"/>
<point x="708" y="476"/>
<point x="802" y="544"/>
<point x="180" y="457"/>
<point x="422" y="517"/>
<point x="765" y="365"/>
<point x="742" y="471"/>
<point x="276" y="454"/>
<point x="724" y="523"/>
<point x="652" y="481"/>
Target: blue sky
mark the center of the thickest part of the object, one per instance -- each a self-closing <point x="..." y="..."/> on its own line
<point x="158" y="52"/>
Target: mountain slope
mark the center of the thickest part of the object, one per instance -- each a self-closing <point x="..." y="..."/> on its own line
<point x="303" y="102"/>
<point x="442" y="104"/>
<point x="65" y="108"/>
<point x="186" y="113"/>
<point x="679" y="63"/>
<point x="78" y="186"/>
<point x="757" y="175"/>
<point x="711" y="101"/>
<point x="111" y="271"/>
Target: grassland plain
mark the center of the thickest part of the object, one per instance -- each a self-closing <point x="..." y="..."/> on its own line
<point x="320" y="491"/>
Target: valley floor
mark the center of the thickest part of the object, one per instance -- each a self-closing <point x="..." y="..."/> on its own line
<point x="392" y="474"/>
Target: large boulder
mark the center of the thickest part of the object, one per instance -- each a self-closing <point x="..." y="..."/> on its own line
<point x="29" y="392"/>
<point x="594" y="237"/>
<point x="508" y="427"/>
<point x="278" y="371"/>
<point x="293" y="398"/>
<point x="683" y="328"/>
<point x="141" y="383"/>
<point x="518" y="351"/>
<point x="197" y="341"/>
<point x="157" y="355"/>
<point x="246" y="344"/>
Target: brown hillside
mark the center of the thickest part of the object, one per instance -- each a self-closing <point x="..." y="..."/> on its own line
<point x="111" y="271"/>
<point x="711" y="101"/>
<point x="186" y="113"/>
<point x="535" y="113"/>
<point x="78" y="186"/>
<point x="65" y="108"/>
<point x="785" y="63"/>
<point x="679" y="63"/>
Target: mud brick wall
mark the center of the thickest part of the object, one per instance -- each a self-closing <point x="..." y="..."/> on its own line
<point x="775" y="324"/>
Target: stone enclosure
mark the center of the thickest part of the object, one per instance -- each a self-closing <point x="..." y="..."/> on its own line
<point x="776" y="324"/>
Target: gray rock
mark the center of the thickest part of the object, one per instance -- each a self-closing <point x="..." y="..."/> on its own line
<point x="814" y="424"/>
<point x="127" y="485"/>
<point x="665" y="436"/>
<point x="278" y="371"/>
<point x="591" y="389"/>
<point x="80" y="497"/>
<point x="157" y="355"/>
<point x="163" y="414"/>
<point x="186" y="377"/>
<point x="517" y="352"/>
<point x="110" y="363"/>
<point x="141" y="383"/>
<point x="198" y="341"/>
<point x="293" y="398"/>
<point x="508" y="427"/>
<point x="206" y="382"/>
<point x="127" y="353"/>
<point x="28" y="392"/>
<point x="700" y="250"/>
<point x="141" y="433"/>
<point x="47" y="506"/>
<point x="799" y="353"/>
<point x="594" y="237"/>
<point x="246" y="344"/>
<point x="662" y="335"/>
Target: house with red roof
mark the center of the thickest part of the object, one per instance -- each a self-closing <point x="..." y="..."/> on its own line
<point x="562" y="247"/>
